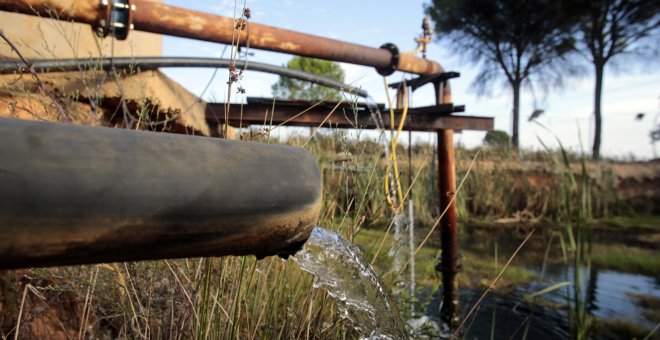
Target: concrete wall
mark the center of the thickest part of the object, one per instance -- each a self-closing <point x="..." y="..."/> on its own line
<point x="46" y="38"/>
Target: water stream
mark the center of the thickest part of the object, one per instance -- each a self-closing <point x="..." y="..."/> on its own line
<point x="339" y="268"/>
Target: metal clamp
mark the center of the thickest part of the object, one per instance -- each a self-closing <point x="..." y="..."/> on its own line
<point x="118" y="19"/>
<point x="394" y="62"/>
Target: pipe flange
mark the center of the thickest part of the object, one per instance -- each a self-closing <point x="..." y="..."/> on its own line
<point x="394" y="62"/>
<point x="117" y="20"/>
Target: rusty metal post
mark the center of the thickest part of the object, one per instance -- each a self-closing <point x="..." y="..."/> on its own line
<point x="449" y="264"/>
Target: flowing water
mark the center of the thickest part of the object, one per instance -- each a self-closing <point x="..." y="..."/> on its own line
<point x="339" y="268"/>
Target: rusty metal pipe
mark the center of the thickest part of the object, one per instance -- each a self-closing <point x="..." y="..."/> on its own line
<point x="180" y="22"/>
<point x="82" y="11"/>
<point x="78" y="194"/>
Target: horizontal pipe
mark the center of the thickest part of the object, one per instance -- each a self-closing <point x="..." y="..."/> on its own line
<point x="78" y="194"/>
<point x="82" y="11"/>
<point x="159" y="18"/>
<point x="147" y="63"/>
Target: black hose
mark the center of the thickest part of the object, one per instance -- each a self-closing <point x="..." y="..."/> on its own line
<point x="148" y="63"/>
<point x="73" y="194"/>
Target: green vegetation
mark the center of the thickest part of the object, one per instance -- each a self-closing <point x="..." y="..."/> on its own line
<point x="497" y="138"/>
<point x="647" y="301"/>
<point x="479" y="269"/>
<point x="619" y="329"/>
<point x="287" y="88"/>
<point x="637" y="221"/>
<point x="626" y="259"/>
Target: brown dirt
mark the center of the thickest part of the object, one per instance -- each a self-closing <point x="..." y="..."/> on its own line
<point x="47" y="313"/>
<point x="149" y="91"/>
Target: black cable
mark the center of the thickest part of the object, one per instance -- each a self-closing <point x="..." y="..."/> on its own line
<point x="148" y="63"/>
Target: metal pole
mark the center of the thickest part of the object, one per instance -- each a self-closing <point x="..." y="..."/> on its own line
<point x="449" y="264"/>
<point x="400" y="101"/>
<point x="159" y="18"/>
<point x="73" y="194"/>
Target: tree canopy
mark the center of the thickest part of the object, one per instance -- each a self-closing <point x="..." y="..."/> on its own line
<point x="519" y="42"/>
<point x="609" y="28"/>
<point x="287" y="88"/>
<point x="497" y="138"/>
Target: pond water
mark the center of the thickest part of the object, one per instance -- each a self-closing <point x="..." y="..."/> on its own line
<point x="607" y="294"/>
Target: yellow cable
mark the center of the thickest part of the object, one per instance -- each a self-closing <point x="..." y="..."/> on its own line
<point x="395" y="139"/>
<point x="419" y="48"/>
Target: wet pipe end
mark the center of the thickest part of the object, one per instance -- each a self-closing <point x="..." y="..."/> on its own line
<point x="73" y="194"/>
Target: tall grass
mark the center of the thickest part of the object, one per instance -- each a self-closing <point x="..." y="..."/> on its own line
<point x="573" y="213"/>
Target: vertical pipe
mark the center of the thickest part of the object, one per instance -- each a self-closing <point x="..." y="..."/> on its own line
<point x="400" y="98"/>
<point x="399" y="215"/>
<point x="448" y="235"/>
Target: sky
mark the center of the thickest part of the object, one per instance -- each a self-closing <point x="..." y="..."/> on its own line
<point x="630" y="88"/>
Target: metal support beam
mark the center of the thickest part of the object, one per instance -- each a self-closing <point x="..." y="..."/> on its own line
<point x="420" y="81"/>
<point x="265" y="111"/>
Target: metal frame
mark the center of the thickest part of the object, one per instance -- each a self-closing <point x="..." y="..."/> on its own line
<point x="147" y="16"/>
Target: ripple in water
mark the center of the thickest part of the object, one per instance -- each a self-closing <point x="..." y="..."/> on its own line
<point x="339" y="268"/>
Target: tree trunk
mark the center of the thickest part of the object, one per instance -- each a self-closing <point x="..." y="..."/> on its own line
<point x="516" y="113"/>
<point x="599" y="68"/>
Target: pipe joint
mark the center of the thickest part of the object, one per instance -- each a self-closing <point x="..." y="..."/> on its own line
<point x="394" y="61"/>
<point x="117" y="19"/>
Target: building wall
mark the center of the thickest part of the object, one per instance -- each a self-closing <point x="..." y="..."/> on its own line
<point x="47" y="38"/>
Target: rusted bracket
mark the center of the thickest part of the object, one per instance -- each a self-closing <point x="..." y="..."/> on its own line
<point x="118" y="19"/>
<point x="425" y="79"/>
<point x="394" y="62"/>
